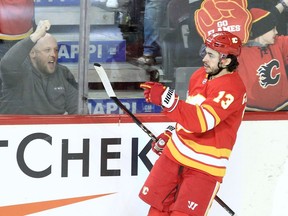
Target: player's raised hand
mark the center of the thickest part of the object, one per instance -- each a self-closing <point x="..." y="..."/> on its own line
<point x="160" y="95"/>
<point x="153" y="92"/>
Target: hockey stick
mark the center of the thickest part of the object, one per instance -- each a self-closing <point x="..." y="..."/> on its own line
<point x="109" y="90"/>
<point x="225" y="206"/>
<point x="107" y="85"/>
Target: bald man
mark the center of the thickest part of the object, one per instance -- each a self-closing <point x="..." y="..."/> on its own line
<point x="33" y="82"/>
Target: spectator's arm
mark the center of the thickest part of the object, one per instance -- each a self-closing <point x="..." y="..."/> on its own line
<point x="12" y="63"/>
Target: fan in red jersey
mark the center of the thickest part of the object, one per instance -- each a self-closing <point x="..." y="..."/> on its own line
<point x="16" y="19"/>
<point x="16" y="23"/>
<point x="263" y="61"/>
<point x="186" y="177"/>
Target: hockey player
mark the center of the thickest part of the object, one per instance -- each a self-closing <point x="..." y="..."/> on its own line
<point x="193" y="156"/>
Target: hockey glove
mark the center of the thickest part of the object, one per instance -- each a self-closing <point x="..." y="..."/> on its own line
<point x="162" y="140"/>
<point x="160" y="95"/>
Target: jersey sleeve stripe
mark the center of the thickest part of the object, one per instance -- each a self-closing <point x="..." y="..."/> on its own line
<point x="210" y="120"/>
<point x="201" y="118"/>
<point x="213" y="112"/>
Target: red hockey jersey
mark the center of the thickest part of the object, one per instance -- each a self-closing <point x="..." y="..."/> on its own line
<point x="207" y="123"/>
<point x="16" y="19"/>
<point x="264" y="75"/>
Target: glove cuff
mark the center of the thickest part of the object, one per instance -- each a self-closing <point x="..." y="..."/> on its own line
<point x="168" y="131"/>
<point x="170" y="128"/>
<point x="168" y="98"/>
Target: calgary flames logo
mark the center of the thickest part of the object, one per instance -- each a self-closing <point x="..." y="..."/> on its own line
<point x="265" y="74"/>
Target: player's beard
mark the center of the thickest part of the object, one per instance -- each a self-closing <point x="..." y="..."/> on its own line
<point x="213" y="71"/>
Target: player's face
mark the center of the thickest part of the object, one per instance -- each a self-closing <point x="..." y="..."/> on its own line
<point x="269" y="37"/>
<point x="211" y="60"/>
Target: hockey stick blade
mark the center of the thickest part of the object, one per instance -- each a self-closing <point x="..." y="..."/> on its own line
<point x="104" y="78"/>
<point x="108" y="88"/>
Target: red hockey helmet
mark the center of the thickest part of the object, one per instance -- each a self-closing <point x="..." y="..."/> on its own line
<point x="224" y="42"/>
